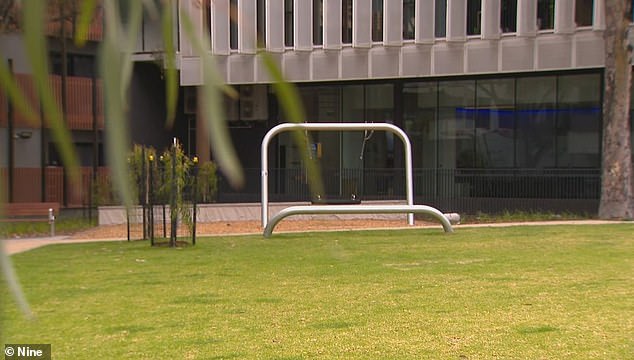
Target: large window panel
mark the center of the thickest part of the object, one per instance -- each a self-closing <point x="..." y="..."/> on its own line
<point x="419" y="119"/>
<point x="535" y="122"/>
<point x="379" y="104"/>
<point x="378" y="158"/>
<point x="456" y="146"/>
<point x="579" y="120"/>
<point x="495" y="123"/>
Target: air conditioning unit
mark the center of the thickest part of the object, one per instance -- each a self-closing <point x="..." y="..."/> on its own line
<point x="232" y="111"/>
<point x="253" y="103"/>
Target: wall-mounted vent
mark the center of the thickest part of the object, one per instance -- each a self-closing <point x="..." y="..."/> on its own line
<point x="253" y="103"/>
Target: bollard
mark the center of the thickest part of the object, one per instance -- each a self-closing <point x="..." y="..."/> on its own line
<point x="51" y="221"/>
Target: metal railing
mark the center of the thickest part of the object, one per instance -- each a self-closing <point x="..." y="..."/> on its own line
<point x="462" y="190"/>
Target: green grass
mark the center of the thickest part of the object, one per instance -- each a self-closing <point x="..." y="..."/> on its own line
<point x="42" y="228"/>
<point x="521" y="216"/>
<point x="558" y="292"/>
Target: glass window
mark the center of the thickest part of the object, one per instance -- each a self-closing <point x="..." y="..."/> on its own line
<point x="318" y="22"/>
<point x="419" y="119"/>
<point x="535" y="122"/>
<point x="579" y="119"/>
<point x="377" y="20"/>
<point x="456" y="147"/>
<point x="378" y="151"/>
<point x="261" y="23"/>
<point x="576" y="90"/>
<point x="346" y="21"/>
<point x="440" y="19"/>
<point x="409" y="21"/>
<point x="474" y="12"/>
<point x="207" y="16"/>
<point x="495" y="123"/>
<point x="233" y="24"/>
<point x="288" y="22"/>
<point x="508" y="16"/>
<point x="583" y="12"/>
<point x="546" y="14"/>
<point x="76" y="64"/>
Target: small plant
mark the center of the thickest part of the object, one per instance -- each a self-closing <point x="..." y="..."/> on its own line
<point x="207" y="183"/>
<point x="176" y="180"/>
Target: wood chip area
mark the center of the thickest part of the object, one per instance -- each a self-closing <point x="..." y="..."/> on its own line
<point x="246" y="227"/>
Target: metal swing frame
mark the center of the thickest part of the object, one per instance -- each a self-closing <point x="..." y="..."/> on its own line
<point x="408" y="209"/>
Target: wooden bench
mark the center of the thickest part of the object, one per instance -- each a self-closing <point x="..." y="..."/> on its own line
<point x="28" y="211"/>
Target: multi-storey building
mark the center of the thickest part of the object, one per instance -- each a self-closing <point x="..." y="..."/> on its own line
<point x="501" y="98"/>
<point x="30" y="166"/>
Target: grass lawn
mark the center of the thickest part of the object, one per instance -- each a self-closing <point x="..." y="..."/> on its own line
<point x="557" y="292"/>
<point x="42" y="228"/>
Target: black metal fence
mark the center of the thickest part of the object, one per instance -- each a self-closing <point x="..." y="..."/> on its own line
<point x="463" y="190"/>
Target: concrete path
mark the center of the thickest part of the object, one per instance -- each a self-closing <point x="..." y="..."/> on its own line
<point x="14" y="246"/>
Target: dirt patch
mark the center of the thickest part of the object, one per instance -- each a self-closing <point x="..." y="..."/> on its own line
<point x="243" y="227"/>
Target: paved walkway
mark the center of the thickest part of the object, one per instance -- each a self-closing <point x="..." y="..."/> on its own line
<point x="14" y="246"/>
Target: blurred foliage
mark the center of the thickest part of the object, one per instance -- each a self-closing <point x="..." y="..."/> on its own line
<point x="122" y="22"/>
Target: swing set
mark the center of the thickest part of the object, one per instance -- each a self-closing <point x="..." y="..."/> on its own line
<point x="410" y="209"/>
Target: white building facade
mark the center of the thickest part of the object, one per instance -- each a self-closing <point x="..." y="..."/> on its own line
<point x="501" y="98"/>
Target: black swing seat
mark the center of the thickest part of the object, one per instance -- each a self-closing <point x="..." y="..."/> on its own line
<point x="336" y="200"/>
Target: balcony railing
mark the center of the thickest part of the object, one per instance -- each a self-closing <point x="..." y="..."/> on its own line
<point x="95" y="29"/>
<point x="79" y="102"/>
<point x="35" y="185"/>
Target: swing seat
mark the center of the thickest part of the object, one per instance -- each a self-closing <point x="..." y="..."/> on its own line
<point x="336" y="200"/>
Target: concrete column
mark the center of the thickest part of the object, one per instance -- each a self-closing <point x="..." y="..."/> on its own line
<point x="598" y="16"/>
<point x="527" y="17"/>
<point x="424" y="29"/>
<point x="490" y="20"/>
<point x="332" y="24"/>
<point x="219" y="24"/>
<point x="303" y="25"/>
<point x="274" y="27"/>
<point x="247" y="32"/>
<point x="456" y="20"/>
<point x="362" y="23"/>
<point x="392" y="23"/>
<point x="564" y="16"/>
<point x="193" y="10"/>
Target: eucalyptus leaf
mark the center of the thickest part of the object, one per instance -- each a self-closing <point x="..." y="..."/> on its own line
<point x="115" y="68"/>
<point x="10" y="87"/>
<point x="212" y="109"/>
<point x="291" y="104"/>
<point x="86" y="12"/>
<point x="171" y="79"/>
<point x="34" y="20"/>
